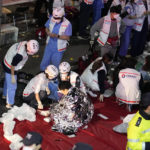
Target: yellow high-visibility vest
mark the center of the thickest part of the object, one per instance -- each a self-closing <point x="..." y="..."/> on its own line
<point x="138" y="133"/>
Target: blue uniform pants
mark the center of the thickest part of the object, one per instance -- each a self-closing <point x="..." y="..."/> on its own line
<point x="53" y="87"/>
<point x="97" y="6"/>
<point x="51" y="56"/>
<point x="9" y="89"/>
<point x="125" y="41"/>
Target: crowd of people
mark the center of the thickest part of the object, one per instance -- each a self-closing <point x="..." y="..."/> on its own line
<point x="120" y="28"/>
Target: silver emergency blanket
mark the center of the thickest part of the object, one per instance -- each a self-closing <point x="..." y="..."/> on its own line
<point x="24" y="112"/>
<point x="72" y="112"/>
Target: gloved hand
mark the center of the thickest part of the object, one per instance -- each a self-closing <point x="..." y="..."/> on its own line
<point x="101" y="98"/>
<point x="40" y="106"/>
<point x="91" y="42"/>
<point x="13" y="80"/>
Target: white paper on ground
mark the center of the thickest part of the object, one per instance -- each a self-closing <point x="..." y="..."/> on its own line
<point x="103" y="116"/>
<point x="128" y="118"/>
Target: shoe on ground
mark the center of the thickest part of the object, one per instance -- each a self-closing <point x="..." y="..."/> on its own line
<point x="8" y="106"/>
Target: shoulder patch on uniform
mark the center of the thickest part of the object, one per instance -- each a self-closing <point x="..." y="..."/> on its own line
<point x="138" y="122"/>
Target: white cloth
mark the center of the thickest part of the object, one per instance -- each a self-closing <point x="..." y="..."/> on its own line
<point x="24" y="112"/>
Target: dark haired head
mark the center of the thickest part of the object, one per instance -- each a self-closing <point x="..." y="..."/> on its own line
<point x="63" y="85"/>
<point x="130" y="62"/>
<point x="116" y="9"/>
<point x="108" y="57"/>
<point x="96" y="65"/>
<point x="146" y="66"/>
<point x="145" y="101"/>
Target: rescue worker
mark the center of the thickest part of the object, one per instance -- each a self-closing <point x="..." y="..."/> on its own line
<point x="138" y="132"/>
<point x="59" y="30"/>
<point x="140" y="27"/>
<point x="130" y="84"/>
<point x="67" y="74"/>
<point x="37" y="89"/>
<point x="94" y="75"/>
<point x="14" y="60"/>
<point x="109" y="29"/>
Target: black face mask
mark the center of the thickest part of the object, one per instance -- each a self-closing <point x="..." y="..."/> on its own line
<point x="59" y="18"/>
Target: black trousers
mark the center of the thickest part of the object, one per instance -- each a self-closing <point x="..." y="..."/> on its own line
<point x="31" y="100"/>
<point x="139" y="40"/>
<point x="39" y="4"/>
<point x="85" y="11"/>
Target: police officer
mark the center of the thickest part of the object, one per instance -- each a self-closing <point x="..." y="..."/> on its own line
<point x="14" y="60"/>
<point x="138" y="132"/>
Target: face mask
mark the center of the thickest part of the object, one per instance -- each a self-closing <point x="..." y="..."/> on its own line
<point x="27" y="148"/>
<point x="116" y="16"/>
<point x="56" y="20"/>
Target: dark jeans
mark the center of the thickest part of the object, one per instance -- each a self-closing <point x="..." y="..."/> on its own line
<point x="31" y="100"/>
<point x="139" y="40"/>
<point x="85" y="11"/>
<point x="39" y="4"/>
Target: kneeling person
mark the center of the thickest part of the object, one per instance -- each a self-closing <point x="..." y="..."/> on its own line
<point x="36" y="89"/>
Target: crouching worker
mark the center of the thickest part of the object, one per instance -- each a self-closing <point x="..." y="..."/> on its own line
<point x="14" y="60"/>
<point x="130" y="84"/>
<point x="95" y="75"/>
<point x="37" y="89"/>
<point x="138" y="132"/>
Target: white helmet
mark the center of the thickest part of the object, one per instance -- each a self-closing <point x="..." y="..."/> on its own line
<point x="51" y="70"/>
<point x="58" y="12"/>
<point x="32" y="47"/>
<point x="64" y="67"/>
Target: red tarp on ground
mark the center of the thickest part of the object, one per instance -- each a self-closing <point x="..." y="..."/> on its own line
<point x="99" y="133"/>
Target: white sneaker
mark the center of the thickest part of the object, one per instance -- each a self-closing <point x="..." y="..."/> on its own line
<point x="8" y="106"/>
<point x="91" y="93"/>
